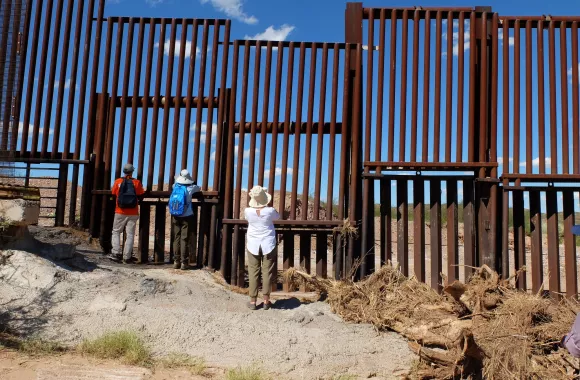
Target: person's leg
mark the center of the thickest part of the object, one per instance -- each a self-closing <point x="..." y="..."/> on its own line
<point x="253" y="274"/>
<point x="268" y="274"/>
<point x="184" y="230"/>
<point x="130" y="239"/>
<point x="118" y="226"/>
<point x="176" y="227"/>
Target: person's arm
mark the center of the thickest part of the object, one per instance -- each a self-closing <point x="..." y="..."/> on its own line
<point x="115" y="189"/>
<point x="193" y="189"/>
<point x="140" y="190"/>
<point x="191" y="192"/>
<point x="275" y="215"/>
<point x="196" y="192"/>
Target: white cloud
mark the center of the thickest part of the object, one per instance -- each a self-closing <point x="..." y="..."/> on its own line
<point x="233" y="9"/>
<point x="66" y="84"/>
<point x="500" y="160"/>
<point x="278" y="172"/>
<point x="536" y="162"/>
<point x="466" y="40"/>
<point x="570" y="72"/>
<point x="154" y="3"/>
<point x="547" y="161"/>
<point x="273" y="34"/>
<point x="511" y="40"/>
<point x="246" y="153"/>
<point x="177" y="49"/>
<point x="31" y="129"/>
<point x="247" y="156"/>
<point x="203" y="129"/>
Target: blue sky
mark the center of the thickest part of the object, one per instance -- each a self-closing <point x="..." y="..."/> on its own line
<point x="314" y="21"/>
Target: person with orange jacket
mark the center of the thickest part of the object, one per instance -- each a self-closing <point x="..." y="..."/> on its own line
<point x="127" y="191"/>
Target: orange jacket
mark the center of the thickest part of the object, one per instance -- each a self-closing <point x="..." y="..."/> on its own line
<point x="138" y="189"/>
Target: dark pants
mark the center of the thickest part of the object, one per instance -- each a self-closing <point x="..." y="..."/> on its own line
<point x="180" y="227"/>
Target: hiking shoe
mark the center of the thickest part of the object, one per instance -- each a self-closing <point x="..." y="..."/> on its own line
<point x="267" y="305"/>
<point x="113" y="258"/>
<point x="252" y="306"/>
<point x="176" y="265"/>
<point x="184" y="267"/>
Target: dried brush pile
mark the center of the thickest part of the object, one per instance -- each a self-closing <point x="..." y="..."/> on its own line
<point x="483" y="329"/>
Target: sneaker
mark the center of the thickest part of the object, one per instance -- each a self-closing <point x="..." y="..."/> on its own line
<point x="184" y="267"/>
<point x="267" y="305"/>
<point x="176" y="265"/>
<point x="252" y="305"/>
<point x="127" y="261"/>
<point x="113" y="258"/>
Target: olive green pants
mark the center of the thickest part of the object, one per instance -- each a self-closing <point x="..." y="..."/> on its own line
<point x="265" y="263"/>
<point x="181" y="233"/>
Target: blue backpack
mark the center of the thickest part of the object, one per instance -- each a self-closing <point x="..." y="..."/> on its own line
<point x="178" y="200"/>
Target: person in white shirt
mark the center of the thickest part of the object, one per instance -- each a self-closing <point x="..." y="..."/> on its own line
<point x="261" y="244"/>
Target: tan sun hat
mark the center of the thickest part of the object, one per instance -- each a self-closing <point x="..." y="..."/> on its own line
<point x="259" y="197"/>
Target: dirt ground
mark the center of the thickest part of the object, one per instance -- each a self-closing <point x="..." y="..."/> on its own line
<point x="15" y="366"/>
<point x="69" y="294"/>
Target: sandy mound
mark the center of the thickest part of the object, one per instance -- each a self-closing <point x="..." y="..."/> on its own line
<point x="188" y="312"/>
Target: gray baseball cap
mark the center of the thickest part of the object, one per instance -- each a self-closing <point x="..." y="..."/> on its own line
<point x="128" y="168"/>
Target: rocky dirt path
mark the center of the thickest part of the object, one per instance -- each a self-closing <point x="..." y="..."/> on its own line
<point x="82" y="295"/>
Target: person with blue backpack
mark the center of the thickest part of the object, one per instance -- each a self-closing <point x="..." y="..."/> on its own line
<point x="181" y="210"/>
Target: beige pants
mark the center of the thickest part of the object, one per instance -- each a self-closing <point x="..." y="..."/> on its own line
<point x="267" y="264"/>
<point x="127" y="223"/>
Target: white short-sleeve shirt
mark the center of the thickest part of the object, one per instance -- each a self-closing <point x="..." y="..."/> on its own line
<point x="261" y="232"/>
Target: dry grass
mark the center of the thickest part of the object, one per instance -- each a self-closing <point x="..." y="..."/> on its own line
<point x="347" y="230"/>
<point x="122" y="345"/>
<point x="252" y="372"/>
<point x="196" y="366"/>
<point x="221" y="281"/>
<point x="343" y="377"/>
<point x="483" y="329"/>
<point x="39" y="347"/>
